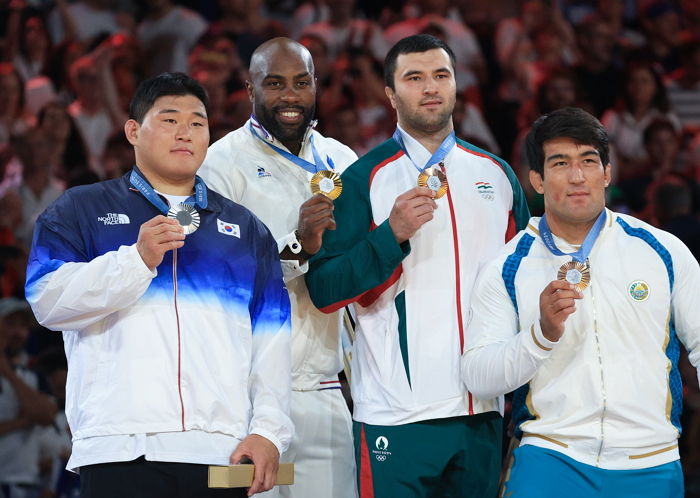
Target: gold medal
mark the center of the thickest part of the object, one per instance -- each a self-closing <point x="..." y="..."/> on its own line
<point x="326" y="182"/>
<point x="186" y="215"/>
<point x="575" y="273"/>
<point x="434" y="179"/>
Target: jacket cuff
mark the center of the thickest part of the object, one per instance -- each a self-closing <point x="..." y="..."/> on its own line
<point x="272" y="438"/>
<point x="538" y="344"/>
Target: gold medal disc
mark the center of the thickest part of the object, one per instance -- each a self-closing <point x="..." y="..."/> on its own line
<point x="575" y="273"/>
<point x="435" y="180"/>
<point x="326" y="182"/>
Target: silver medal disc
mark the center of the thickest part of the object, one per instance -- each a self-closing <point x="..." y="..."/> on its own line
<point x="186" y="215"/>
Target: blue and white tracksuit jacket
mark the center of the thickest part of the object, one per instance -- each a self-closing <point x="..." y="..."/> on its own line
<point x="201" y="344"/>
<point x="609" y="392"/>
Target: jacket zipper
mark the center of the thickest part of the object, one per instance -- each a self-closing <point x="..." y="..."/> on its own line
<point x="602" y="376"/>
<point x="179" y="359"/>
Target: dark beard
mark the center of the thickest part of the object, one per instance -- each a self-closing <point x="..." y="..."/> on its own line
<point x="285" y="134"/>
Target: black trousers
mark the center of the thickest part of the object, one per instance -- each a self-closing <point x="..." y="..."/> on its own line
<point x="143" y="479"/>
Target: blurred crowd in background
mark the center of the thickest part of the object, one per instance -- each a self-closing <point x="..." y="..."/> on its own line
<point x="68" y="71"/>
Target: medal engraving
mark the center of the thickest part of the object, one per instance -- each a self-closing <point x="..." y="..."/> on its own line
<point x="435" y="180"/>
<point x="186" y="215"/>
<point x="326" y="182"/>
<point x="577" y="274"/>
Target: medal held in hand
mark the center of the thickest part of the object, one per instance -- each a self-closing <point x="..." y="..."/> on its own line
<point x="576" y="273"/>
<point x="326" y="182"/>
<point x="434" y="179"/>
<point x="186" y="215"/>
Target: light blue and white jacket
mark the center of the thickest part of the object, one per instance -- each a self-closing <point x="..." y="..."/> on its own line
<point x="609" y="392"/>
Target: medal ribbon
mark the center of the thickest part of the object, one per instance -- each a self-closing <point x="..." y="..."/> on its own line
<point x="437" y="157"/>
<point x="582" y="254"/>
<point x="137" y="181"/>
<point x="312" y="168"/>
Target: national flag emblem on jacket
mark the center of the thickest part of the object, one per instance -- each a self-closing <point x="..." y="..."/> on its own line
<point x="228" y="228"/>
<point x="485" y="189"/>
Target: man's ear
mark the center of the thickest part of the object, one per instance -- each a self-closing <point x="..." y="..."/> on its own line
<point x="390" y="94"/>
<point x="608" y="174"/>
<point x="131" y="130"/>
<point x="249" y="90"/>
<point x="536" y="181"/>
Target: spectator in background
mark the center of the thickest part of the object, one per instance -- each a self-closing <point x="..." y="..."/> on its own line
<point x="67" y="151"/>
<point x="558" y="89"/>
<point x="598" y="70"/>
<point x="661" y="23"/>
<point x="39" y="187"/>
<point x="245" y="23"/>
<point x="127" y="65"/>
<point x="14" y="120"/>
<point x="683" y="85"/>
<point x="57" y="69"/>
<point x="342" y="31"/>
<point x="28" y="43"/>
<point x="661" y="141"/>
<point x="642" y="100"/>
<point x="85" y="20"/>
<point x="471" y="66"/>
<point x="673" y="211"/>
<point x="308" y="12"/>
<point x="470" y="124"/>
<point x="24" y="410"/>
<point x="118" y="157"/>
<point x="96" y="107"/>
<point x="168" y="33"/>
<point x="612" y="12"/>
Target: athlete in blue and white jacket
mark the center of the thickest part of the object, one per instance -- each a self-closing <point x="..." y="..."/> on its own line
<point x="177" y="363"/>
<point x="598" y="394"/>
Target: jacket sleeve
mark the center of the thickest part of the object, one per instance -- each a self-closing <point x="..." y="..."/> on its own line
<point x="354" y="258"/>
<point x="269" y="384"/>
<point x="498" y="357"/>
<point x="66" y="288"/>
<point x="684" y="301"/>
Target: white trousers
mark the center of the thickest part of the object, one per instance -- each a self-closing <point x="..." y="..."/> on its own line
<point x="321" y="450"/>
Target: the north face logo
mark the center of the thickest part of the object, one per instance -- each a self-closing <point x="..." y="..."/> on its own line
<point x="114" y="219"/>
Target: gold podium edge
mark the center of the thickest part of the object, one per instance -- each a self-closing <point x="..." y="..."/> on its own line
<point x="241" y="476"/>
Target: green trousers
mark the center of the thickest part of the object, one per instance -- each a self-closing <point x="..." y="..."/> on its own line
<point x="458" y="457"/>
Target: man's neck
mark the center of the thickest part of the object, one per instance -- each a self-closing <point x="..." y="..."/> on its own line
<point x="573" y="233"/>
<point x="293" y="147"/>
<point x="168" y="185"/>
<point x="430" y="139"/>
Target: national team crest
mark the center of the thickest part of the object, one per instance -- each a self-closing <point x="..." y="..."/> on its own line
<point x="639" y="290"/>
<point x="485" y="189"/>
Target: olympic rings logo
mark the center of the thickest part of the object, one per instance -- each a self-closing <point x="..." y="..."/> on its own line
<point x="381" y="458"/>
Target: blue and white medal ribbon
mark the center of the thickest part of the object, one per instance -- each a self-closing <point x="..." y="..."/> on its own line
<point x="324" y="181"/>
<point x="575" y="272"/>
<point x="185" y="213"/>
<point x="430" y="176"/>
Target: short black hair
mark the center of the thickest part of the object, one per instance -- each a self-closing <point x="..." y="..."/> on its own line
<point x="409" y="45"/>
<point x="165" y="84"/>
<point x="567" y="122"/>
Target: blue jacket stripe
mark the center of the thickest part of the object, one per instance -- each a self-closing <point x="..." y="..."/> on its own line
<point x="673" y="347"/>
<point x="511" y="265"/>
<point x="520" y="412"/>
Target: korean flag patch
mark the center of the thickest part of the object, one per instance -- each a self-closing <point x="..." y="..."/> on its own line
<point x="228" y="228"/>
